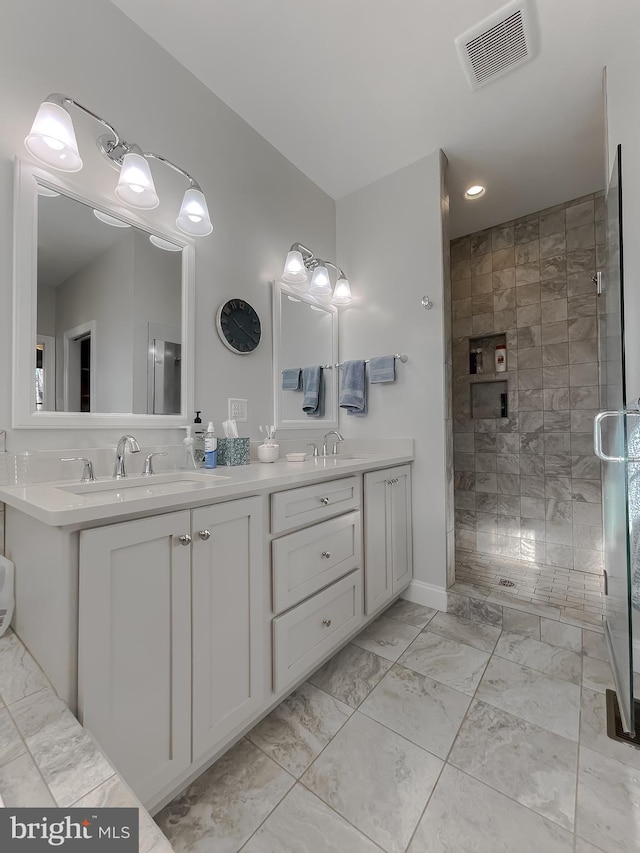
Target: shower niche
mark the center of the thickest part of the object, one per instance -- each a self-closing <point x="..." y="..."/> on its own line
<point x="489" y="390"/>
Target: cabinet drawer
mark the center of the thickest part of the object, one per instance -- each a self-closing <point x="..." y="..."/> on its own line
<point x="311" y="559"/>
<point x="296" y="507"/>
<point x="309" y="632"/>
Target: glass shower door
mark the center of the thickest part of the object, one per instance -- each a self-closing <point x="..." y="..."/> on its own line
<point x="617" y="440"/>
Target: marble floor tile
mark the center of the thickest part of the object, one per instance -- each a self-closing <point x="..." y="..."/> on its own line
<point x="350" y="675"/>
<point x="583" y="846"/>
<point x="376" y="779"/>
<point x="594" y="645"/>
<point x="597" y="675"/>
<point x="222" y="809"/>
<point x="11" y="744"/>
<point x="20" y="675"/>
<point x="524" y="761"/>
<point x="465" y="815"/>
<point x="593" y="730"/>
<point x="302" y="823"/>
<point x="295" y="732"/>
<point x="477" y="634"/>
<point x="22" y="785"/>
<point x="458" y="604"/>
<point x="552" y="660"/>
<point x="412" y="614"/>
<point x="608" y="810"/>
<point x="114" y="794"/>
<point x="561" y="634"/>
<point x="533" y="696"/>
<point x="517" y="622"/>
<point x="386" y="638"/>
<point x="452" y="663"/>
<point x="418" y="708"/>
<point x="480" y="611"/>
<point x="67" y="756"/>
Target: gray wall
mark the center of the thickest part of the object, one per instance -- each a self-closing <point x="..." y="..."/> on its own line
<point x="390" y="244"/>
<point x="528" y="486"/>
<point x="259" y="202"/>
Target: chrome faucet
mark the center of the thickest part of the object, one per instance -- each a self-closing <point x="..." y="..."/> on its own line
<point x="339" y="438"/>
<point x="125" y="441"/>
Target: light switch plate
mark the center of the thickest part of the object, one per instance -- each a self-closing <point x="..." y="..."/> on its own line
<point x="237" y="410"/>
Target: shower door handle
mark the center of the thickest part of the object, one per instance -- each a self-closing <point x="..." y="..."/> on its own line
<point x="597" y="437"/>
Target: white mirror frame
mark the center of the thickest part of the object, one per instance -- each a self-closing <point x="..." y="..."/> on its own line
<point x="25" y="283"/>
<point x="330" y="418"/>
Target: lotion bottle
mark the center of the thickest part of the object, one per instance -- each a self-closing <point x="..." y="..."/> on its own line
<point x="210" y="447"/>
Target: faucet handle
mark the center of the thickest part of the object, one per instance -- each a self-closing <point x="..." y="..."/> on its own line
<point x="315" y="447"/>
<point x="87" y="475"/>
<point x="148" y="463"/>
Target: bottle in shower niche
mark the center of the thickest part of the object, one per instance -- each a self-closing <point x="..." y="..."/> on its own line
<point x="210" y="447"/>
<point x="475" y="361"/>
<point x="501" y="358"/>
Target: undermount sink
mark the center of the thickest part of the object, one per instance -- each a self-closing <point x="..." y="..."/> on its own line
<point x="139" y="487"/>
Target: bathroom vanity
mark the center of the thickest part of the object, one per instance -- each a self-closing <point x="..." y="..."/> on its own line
<point x="172" y="612"/>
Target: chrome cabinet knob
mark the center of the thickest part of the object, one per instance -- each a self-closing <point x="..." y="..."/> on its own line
<point x="204" y="534"/>
<point x="326" y="554"/>
<point x="324" y="501"/>
<point x="326" y="623"/>
<point x="185" y="539"/>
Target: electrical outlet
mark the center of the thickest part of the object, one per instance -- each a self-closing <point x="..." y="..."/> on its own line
<point x="237" y="410"/>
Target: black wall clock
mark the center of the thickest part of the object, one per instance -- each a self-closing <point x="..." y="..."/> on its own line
<point x="238" y="325"/>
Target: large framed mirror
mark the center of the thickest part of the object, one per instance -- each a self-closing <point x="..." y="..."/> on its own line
<point x="103" y="313"/>
<point x="305" y="334"/>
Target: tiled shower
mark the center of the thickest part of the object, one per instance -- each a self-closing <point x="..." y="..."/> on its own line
<point x="527" y="484"/>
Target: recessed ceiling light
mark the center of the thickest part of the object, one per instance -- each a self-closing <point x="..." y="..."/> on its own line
<point x="475" y="191"/>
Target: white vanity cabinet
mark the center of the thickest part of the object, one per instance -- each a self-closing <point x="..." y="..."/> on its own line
<point x="387" y="535"/>
<point x="316" y="574"/>
<point x="170" y="638"/>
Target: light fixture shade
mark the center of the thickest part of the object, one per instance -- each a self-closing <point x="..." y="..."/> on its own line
<point x="194" y="218"/>
<point x="294" y="271"/>
<point x="320" y="281"/>
<point x="52" y="140"/>
<point x="342" y="292"/>
<point x="136" y="187"/>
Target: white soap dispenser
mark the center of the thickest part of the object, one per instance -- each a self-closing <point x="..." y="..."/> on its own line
<point x="188" y="459"/>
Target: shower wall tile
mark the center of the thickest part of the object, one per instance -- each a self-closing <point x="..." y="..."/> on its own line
<point x="528" y="485"/>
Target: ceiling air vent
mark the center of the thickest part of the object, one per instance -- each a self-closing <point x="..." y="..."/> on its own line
<point x="499" y="43"/>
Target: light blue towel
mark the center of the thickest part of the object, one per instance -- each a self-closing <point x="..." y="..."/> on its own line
<point x="291" y="379"/>
<point x="382" y="369"/>
<point x="353" y="395"/>
<point x="311" y="382"/>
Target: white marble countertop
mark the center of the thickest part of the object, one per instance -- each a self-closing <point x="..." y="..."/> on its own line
<point x="47" y="758"/>
<point x="57" y="504"/>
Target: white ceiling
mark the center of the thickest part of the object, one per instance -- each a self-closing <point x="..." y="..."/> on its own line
<point x="351" y="90"/>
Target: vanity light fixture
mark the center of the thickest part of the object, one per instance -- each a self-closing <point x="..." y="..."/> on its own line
<point x="52" y="141"/>
<point x="476" y="191"/>
<point x="302" y="263"/>
<point x="161" y="243"/>
<point x="110" y="220"/>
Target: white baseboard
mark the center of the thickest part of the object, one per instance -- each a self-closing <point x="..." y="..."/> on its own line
<point x="426" y="594"/>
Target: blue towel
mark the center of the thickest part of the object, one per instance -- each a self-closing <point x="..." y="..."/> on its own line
<point x="311" y="381"/>
<point x="353" y="395"/>
<point x="382" y="369"/>
<point x="291" y="379"/>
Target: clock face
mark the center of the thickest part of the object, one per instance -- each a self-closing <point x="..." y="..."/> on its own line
<point x="238" y="326"/>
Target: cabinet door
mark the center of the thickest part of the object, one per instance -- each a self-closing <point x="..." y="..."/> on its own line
<point x="134" y="647"/>
<point x="401" y="542"/>
<point x="377" y="540"/>
<point x="228" y="618"/>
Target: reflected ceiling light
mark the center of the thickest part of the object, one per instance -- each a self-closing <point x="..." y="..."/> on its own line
<point x="110" y="220"/>
<point x="52" y="141"/>
<point x="161" y="243"/>
<point x="476" y="191"/>
<point x="292" y="298"/>
<point x="302" y="263"/>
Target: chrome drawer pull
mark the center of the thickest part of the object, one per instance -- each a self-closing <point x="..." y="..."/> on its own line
<point x="326" y="623"/>
<point x="204" y="534"/>
<point x="326" y="554"/>
<point x="324" y="501"/>
<point x="185" y="539"/>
